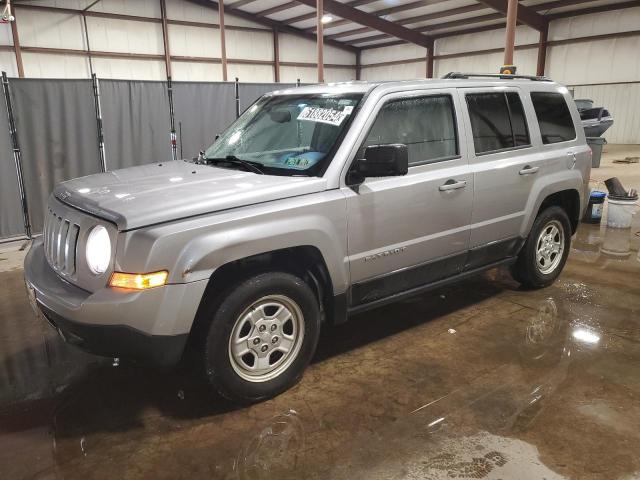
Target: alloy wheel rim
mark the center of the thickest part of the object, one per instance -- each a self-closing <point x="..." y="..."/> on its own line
<point x="550" y="247"/>
<point x="266" y="338"/>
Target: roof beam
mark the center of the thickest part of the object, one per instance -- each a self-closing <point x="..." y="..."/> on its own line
<point x="437" y="26"/>
<point x="309" y="16"/>
<point x="455" y="11"/>
<point x="238" y="4"/>
<point x="366" y="19"/>
<point x="484" y="28"/>
<point x="282" y="28"/>
<point x="277" y="8"/>
<point x="389" y="11"/>
<point x="526" y="15"/>
<point x="543" y="7"/>
<point x="416" y="19"/>
<point x="598" y="9"/>
<point x="540" y="7"/>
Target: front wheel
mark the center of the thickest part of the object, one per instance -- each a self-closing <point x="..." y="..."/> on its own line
<point x="261" y="337"/>
<point x="545" y="252"/>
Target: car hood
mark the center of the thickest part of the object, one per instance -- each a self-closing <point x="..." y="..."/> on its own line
<point x="161" y="192"/>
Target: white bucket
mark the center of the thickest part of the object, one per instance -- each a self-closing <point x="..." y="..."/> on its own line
<point x="621" y="212"/>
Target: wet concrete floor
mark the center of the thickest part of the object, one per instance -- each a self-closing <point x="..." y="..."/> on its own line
<point x="477" y="380"/>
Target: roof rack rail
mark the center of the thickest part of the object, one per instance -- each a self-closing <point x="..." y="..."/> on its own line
<point x="501" y="76"/>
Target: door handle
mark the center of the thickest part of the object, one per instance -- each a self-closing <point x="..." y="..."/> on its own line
<point x="452" y="185"/>
<point x="528" y="170"/>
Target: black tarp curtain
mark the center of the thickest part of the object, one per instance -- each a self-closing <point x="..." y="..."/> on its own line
<point x="57" y="130"/>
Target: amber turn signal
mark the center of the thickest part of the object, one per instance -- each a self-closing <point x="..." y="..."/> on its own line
<point x="138" y="281"/>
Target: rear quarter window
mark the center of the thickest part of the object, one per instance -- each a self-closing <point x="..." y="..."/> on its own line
<point x="554" y="117"/>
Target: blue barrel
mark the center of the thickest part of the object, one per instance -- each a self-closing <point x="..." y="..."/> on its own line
<point x="594" y="209"/>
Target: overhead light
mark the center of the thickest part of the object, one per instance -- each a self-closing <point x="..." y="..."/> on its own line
<point x="327" y="18"/>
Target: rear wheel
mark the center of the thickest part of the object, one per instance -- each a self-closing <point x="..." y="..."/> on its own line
<point x="545" y="252"/>
<point x="261" y="337"/>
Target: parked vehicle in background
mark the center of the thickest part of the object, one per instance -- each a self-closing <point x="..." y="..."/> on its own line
<point x="595" y="120"/>
<point x="317" y="203"/>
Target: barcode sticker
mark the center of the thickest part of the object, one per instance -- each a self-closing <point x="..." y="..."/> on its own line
<point x="323" y="115"/>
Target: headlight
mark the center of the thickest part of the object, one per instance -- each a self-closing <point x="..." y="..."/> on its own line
<point x="98" y="250"/>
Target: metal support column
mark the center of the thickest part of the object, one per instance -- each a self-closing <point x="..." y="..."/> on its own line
<point x="86" y="38"/>
<point x="174" y="143"/>
<point x="276" y="55"/>
<point x="165" y="38"/>
<point x="223" y="42"/>
<point x="98" y="109"/>
<point x="320" y="39"/>
<point x="86" y="34"/>
<point x="237" y="85"/>
<point x="16" y="45"/>
<point x="430" y="55"/>
<point x="17" y="155"/>
<point x="510" y="36"/>
<point x="542" y="51"/>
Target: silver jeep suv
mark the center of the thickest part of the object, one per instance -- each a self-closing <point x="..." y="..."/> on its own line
<point x="317" y="203"/>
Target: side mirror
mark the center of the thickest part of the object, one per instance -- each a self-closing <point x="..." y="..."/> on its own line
<point x="381" y="161"/>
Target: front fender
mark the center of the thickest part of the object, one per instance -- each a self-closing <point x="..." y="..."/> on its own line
<point x="191" y="250"/>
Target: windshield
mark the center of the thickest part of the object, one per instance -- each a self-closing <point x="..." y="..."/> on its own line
<point x="288" y="134"/>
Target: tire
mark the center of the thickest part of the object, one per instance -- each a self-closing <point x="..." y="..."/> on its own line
<point x="551" y="232"/>
<point x="287" y="310"/>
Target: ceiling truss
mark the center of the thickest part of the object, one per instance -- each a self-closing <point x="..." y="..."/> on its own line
<point x="375" y="27"/>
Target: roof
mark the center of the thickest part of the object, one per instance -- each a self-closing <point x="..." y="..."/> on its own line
<point x="358" y="24"/>
<point x="465" y="80"/>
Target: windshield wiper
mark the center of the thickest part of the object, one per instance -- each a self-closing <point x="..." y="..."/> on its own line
<point x="254" y="167"/>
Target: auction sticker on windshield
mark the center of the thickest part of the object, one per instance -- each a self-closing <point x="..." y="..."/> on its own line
<point x="323" y="115"/>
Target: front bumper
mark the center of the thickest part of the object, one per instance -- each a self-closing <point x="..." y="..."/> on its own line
<point x="151" y="326"/>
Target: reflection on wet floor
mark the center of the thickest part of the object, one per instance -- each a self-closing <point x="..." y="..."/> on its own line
<point x="477" y="380"/>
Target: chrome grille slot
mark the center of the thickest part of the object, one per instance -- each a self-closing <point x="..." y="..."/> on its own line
<point x="70" y="253"/>
<point x="60" y="242"/>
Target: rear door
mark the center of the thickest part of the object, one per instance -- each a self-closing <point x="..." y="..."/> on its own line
<point x="562" y="135"/>
<point x="411" y="230"/>
<point x="505" y="165"/>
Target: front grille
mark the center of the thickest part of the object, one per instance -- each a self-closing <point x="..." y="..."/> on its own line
<point x="60" y="242"/>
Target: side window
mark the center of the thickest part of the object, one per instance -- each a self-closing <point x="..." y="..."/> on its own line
<point x="497" y="121"/>
<point x="426" y="125"/>
<point x="554" y="117"/>
<point x="518" y="120"/>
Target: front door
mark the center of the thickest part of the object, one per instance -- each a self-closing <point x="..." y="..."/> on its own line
<point x="411" y="230"/>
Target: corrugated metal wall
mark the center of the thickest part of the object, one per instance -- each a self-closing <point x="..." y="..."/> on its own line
<point x="593" y="67"/>
<point x="402" y="71"/>
<point x="66" y="31"/>
<point x="525" y="59"/>
<point x="577" y="64"/>
<point x="605" y="70"/>
<point x="623" y="101"/>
